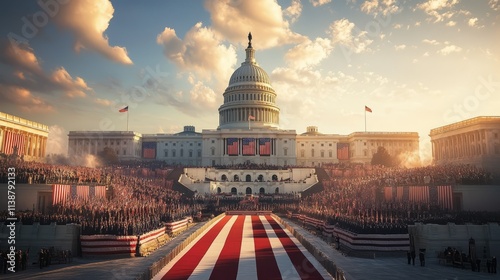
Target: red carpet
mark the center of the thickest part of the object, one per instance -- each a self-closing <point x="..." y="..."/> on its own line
<point x="244" y="247"/>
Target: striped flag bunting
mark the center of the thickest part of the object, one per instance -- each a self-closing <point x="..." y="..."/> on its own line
<point x="61" y="193"/>
<point x="445" y="196"/>
<point x="244" y="247"/>
<point x="419" y="194"/>
<point x="248" y="145"/>
<point x="264" y="146"/>
<point x="12" y="140"/>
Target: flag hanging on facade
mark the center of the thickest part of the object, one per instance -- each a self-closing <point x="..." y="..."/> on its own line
<point x="60" y="194"/>
<point x="83" y="192"/>
<point x="123" y="110"/>
<point x="13" y="141"/>
<point x="248" y="146"/>
<point x="232" y="146"/>
<point x="445" y="197"/>
<point x="250" y="117"/>
<point x="343" y="151"/>
<point x="149" y="150"/>
<point x="368" y="109"/>
<point x="264" y="146"/>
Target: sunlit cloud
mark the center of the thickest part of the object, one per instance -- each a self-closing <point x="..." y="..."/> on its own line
<point x="317" y="3"/>
<point x="294" y="10"/>
<point x="270" y="29"/>
<point x="438" y="9"/>
<point x="400" y="47"/>
<point x="88" y="20"/>
<point x="309" y="53"/>
<point x="376" y="7"/>
<point x="201" y="52"/>
<point x="430" y="42"/>
<point x="24" y="100"/>
<point x="449" y="50"/>
<point x="343" y="32"/>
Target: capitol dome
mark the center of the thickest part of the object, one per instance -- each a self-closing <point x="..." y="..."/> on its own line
<point x="249" y="99"/>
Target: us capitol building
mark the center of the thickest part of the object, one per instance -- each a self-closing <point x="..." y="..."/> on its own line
<point x="248" y="132"/>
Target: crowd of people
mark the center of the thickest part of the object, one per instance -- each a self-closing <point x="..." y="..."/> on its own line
<point x="141" y="199"/>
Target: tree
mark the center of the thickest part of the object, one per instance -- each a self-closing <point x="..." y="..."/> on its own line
<point x="108" y="156"/>
<point x="382" y="157"/>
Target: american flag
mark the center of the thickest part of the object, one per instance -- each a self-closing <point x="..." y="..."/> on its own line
<point x="343" y="151"/>
<point x="388" y="193"/>
<point x="100" y="191"/>
<point x="83" y="192"/>
<point x="60" y="194"/>
<point x="399" y="194"/>
<point x="149" y="150"/>
<point x="248" y="146"/>
<point x="445" y="197"/>
<point x="232" y="146"/>
<point x="419" y="194"/>
<point x="11" y="140"/>
<point x="264" y="146"/>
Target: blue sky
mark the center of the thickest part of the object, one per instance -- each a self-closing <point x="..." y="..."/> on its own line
<point x="417" y="64"/>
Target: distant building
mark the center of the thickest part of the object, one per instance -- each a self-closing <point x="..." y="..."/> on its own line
<point x="24" y="138"/>
<point x="474" y="141"/>
<point x="248" y="132"/>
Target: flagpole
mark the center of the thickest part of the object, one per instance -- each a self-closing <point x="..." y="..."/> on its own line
<point x="127" y="119"/>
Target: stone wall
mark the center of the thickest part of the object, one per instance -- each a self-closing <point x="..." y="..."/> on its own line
<point x="436" y="238"/>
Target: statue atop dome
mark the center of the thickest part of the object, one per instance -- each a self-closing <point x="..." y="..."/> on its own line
<point x="249" y="39"/>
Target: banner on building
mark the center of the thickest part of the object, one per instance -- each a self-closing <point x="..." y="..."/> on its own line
<point x="149" y="150"/>
<point x="232" y="146"/>
<point x="343" y="151"/>
<point x="265" y="146"/>
<point x="13" y="142"/>
<point x="248" y="146"/>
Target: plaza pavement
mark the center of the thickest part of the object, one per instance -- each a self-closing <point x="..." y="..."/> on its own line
<point x="383" y="268"/>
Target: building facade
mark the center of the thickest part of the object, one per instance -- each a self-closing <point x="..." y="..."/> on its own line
<point x="23" y="138"/>
<point x="474" y="141"/>
<point x="248" y="132"/>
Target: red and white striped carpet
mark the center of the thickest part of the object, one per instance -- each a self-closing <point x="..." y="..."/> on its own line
<point x="244" y="247"/>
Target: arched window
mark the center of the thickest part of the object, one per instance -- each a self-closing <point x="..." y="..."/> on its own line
<point x="275" y="177"/>
<point x="223" y="177"/>
<point x="248" y="190"/>
<point x="262" y="191"/>
<point x="260" y="178"/>
<point x="233" y="191"/>
<point x="219" y="190"/>
<point x="277" y="190"/>
<point x="248" y="178"/>
<point x="236" y="178"/>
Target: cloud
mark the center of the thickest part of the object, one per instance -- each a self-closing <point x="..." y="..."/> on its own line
<point x="234" y="18"/>
<point x="294" y="11"/>
<point x="88" y="20"/>
<point x="436" y="9"/>
<point x="400" y="47"/>
<point x="72" y="87"/>
<point x="495" y="5"/>
<point x="317" y="3"/>
<point x="21" y="57"/>
<point x="200" y="52"/>
<point x="28" y="73"/>
<point x="451" y="23"/>
<point x="343" y="33"/>
<point x="472" y="22"/>
<point x="449" y="49"/>
<point x="24" y="100"/>
<point x="309" y="53"/>
<point x="203" y="96"/>
<point x="103" y="102"/>
<point x="376" y="7"/>
<point x="430" y="42"/>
